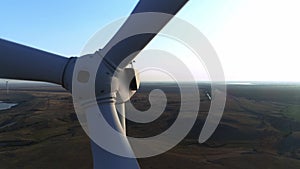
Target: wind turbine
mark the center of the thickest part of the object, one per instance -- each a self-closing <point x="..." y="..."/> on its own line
<point x="7" y="87"/>
<point x="26" y="63"/>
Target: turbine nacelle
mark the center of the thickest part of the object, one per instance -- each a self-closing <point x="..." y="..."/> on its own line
<point x="128" y="85"/>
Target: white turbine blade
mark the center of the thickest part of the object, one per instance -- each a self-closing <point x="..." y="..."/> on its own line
<point x="102" y="158"/>
<point x="120" y="46"/>
<point x="26" y="63"/>
<point x="105" y="160"/>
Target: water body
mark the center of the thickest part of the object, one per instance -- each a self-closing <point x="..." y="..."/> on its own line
<point x="240" y="83"/>
<point x="5" y="106"/>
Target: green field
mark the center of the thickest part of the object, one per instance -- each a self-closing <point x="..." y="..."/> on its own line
<point x="260" y="129"/>
<point x="293" y="111"/>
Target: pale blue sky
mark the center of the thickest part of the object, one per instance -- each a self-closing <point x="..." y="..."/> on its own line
<point x="58" y="26"/>
<point x="247" y="34"/>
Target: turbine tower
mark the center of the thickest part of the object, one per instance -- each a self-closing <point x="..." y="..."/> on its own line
<point x="26" y="63"/>
<point x="7" y="87"/>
